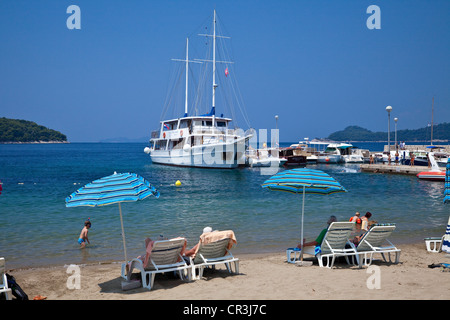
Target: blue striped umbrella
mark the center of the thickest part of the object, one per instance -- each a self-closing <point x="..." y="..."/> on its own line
<point x="447" y="183"/>
<point x="116" y="188"/>
<point x="304" y="181"/>
<point x="446" y="240"/>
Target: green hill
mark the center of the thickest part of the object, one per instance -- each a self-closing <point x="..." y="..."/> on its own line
<point x="355" y="133"/>
<point x="14" y="131"/>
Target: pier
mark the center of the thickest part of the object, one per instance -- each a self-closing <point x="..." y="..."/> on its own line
<point x="393" y="168"/>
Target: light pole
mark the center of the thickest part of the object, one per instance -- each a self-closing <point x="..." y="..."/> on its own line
<point x="389" y="109"/>
<point x="396" y="119"/>
<point x="277" y="133"/>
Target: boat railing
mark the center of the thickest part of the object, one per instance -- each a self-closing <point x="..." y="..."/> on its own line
<point x="213" y="131"/>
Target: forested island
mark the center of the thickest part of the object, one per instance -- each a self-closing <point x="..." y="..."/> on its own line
<point x="441" y="132"/>
<point x="23" y="131"/>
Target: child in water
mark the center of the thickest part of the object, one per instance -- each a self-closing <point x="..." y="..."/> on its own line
<point x="84" y="234"/>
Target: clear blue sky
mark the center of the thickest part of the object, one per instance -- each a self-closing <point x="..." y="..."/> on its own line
<point x="314" y="63"/>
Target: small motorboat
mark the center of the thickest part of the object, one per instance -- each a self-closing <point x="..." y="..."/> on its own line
<point x="432" y="175"/>
<point x="435" y="174"/>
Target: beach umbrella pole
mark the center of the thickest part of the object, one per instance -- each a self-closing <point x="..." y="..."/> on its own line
<point x="303" y="210"/>
<point x="123" y="233"/>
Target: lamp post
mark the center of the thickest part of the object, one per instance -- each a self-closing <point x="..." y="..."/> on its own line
<point x="277" y="133"/>
<point x="396" y="119"/>
<point x="389" y="109"/>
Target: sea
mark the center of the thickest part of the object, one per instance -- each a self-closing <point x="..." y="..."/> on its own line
<point x="38" y="230"/>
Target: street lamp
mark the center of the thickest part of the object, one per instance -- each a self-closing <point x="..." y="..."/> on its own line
<point x="396" y="119"/>
<point x="277" y="133"/>
<point x="389" y="109"/>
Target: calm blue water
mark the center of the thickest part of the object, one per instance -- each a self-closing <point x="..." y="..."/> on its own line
<point x="37" y="229"/>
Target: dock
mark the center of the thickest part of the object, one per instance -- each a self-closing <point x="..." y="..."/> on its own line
<point x="393" y="168"/>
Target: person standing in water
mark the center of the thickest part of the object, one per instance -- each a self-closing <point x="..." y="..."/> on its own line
<point x="84" y="234"/>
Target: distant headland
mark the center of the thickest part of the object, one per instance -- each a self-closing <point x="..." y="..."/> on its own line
<point x="441" y="132"/>
<point x="23" y="131"/>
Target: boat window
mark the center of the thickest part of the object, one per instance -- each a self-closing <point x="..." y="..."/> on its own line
<point x="183" y="124"/>
<point x="170" y="125"/>
<point x="221" y="124"/>
<point x="197" y="123"/>
<point x="160" y="144"/>
<point x="177" y="143"/>
<point x="198" y="141"/>
<point x="207" y="123"/>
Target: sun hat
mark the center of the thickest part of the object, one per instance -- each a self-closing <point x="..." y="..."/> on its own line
<point x="207" y="229"/>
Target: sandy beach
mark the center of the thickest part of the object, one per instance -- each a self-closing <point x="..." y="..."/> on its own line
<point x="261" y="277"/>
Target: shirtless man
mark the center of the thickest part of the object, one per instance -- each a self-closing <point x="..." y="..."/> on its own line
<point x="84" y="234"/>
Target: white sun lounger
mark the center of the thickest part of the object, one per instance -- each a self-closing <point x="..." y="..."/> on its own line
<point x="332" y="246"/>
<point x="439" y="244"/>
<point x="165" y="257"/>
<point x="376" y="241"/>
<point x="4" y="281"/>
<point x="214" y="248"/>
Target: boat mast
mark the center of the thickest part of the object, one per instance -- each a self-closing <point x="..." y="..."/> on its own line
<point x="215" y="85"/>
<point x="432" y="111"/>
<point x="187" y="76"/>
<point x="187" y="72"/>
<point x="214" y="66"/>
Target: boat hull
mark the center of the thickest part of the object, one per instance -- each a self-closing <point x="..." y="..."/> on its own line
<point x="294" y="161"/>
<point x="332" y="158"/>
<point x="431" y="175"/>
<point x="224" y="156"/>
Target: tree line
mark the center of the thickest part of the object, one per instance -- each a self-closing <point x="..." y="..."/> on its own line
<point x="14" y="130"/>
<point x="354" y="133"/>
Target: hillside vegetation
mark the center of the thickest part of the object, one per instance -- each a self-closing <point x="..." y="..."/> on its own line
<point x="355" y="133"/>
<point x="15" y="131"/>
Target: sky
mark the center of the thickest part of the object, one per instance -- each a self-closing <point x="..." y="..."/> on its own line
<point x="315" y="64"/>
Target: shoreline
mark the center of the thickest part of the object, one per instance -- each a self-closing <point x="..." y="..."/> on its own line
<point x="263" y="276"/>
<point x="240" y="252"/>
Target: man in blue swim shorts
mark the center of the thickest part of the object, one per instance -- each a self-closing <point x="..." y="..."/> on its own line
<point x="84" y="234"/>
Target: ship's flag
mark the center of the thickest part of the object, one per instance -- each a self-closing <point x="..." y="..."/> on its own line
<point x="167" y="127"/>
<point x="226" y="72"/>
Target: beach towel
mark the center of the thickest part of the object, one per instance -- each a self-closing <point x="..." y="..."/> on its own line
<point x="214" y="236"/>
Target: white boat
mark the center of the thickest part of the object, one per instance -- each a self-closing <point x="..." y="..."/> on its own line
<point x="435" y="173"/>
<point x="334" y="153"/>
<point x="311" y="149"/>
<point x="206" y="141"/>
<point x="355" y="155"/>
<point x="441" y="158"/>
<point x="265" y="157"/>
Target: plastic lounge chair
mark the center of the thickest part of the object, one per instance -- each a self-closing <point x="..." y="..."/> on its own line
<point x="372" y="242"/>
<point x="165" y="257"/>
<point x="439" y="244"/>
<point x="332" y="246"/>
<point x="214" y="248"/>
<point x="4" y="281"/>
